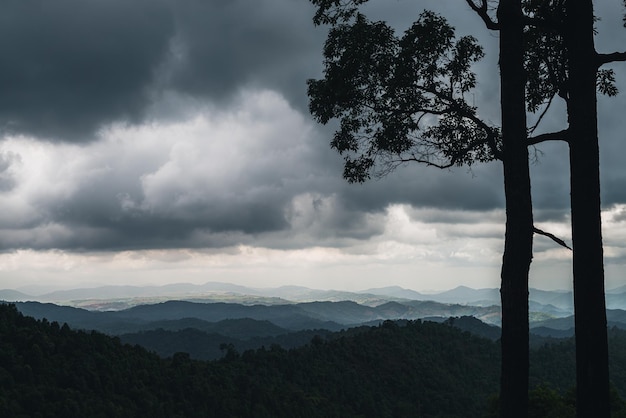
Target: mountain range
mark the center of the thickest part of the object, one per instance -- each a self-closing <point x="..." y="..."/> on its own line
<point x="121" y="297"/>
<point x="292" y="317"/>
<point x="235" y="313"/>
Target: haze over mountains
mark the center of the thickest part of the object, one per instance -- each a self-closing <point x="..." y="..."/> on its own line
<point x="295" y="307"/>
<point x="198" y="319"/>
<point x="93" y="298"/>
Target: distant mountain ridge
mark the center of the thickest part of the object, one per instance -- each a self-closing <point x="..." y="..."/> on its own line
<point x="544" y="305"/>
<point x="217" y="290"/>
<point x="202" y="327"/>
<point x="295" y="316"/>
<point x="11" y="295"/>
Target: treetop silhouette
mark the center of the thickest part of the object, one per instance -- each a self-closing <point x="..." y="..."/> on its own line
<point x="401" y="99"/>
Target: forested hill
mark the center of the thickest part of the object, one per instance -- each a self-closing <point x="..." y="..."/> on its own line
<point x="391" y="370"/>
<point x="409" y="369"/>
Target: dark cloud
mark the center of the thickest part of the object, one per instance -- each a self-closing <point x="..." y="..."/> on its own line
<point x="73" y="67"/>
<point x="224" y="45"/>
<point x="69" y="66"/>
<point x="478" y="188"/>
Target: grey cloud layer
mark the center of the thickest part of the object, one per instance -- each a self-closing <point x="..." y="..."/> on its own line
<point x="227" y="44"/>
<point x="71" y="66"/>
<point x="74" y="71"/>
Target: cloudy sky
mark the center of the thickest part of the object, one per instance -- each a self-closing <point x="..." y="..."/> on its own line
<point x="159" y="141"/>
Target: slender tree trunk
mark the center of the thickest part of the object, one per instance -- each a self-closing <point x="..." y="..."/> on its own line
<point x="592" y="372"/>
<point x="519" y="222"/>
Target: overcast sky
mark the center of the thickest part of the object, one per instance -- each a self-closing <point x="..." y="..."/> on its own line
<point x="159" y="141"/>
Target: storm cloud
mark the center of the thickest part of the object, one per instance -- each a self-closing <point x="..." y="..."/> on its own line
<point x="156" y="125"/>
<point x="71" y="67"/>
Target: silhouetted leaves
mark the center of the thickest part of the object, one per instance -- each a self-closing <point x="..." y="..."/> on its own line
<point x="546" y="57"/>
<point x="399" y="99"/>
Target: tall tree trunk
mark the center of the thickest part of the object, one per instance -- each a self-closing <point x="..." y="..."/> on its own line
<point x="519" y="221"/>
<point x="592" y="372"/>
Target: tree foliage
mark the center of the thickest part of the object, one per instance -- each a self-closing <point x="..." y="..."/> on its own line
<point x="400" y="98"/>
<point x="546" y="59"/>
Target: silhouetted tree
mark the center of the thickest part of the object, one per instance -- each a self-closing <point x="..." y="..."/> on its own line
<point x="564" y="63"/>
<point x="519" y="218"/>
<point x="592" y="364"/>
<point x="402" y="100"/>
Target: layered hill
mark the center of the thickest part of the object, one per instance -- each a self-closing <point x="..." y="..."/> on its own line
<point x="294" y="317"/>
<point x="133" y="309"/>
<point x="385" y="371"/>
<point x="394" y="369"/>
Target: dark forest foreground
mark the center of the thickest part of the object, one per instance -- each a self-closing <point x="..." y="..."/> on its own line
<point x="415" y="369"/>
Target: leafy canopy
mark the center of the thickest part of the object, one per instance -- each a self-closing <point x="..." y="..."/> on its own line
<point x="405" y="98"/>
<point x="398" y="98"/>
<point x="546" y="59"/>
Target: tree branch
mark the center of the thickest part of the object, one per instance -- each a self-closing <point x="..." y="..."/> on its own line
<point x="545" y="110"/>
<point x="454" y="106"/>
<point x="602" y="59"/>
<point x="551" y="136"/>
<point x="551" y="236"/>
<point x="428" y="163"/>
<point x="481" y="10"/>
<point x="491" y="135"/>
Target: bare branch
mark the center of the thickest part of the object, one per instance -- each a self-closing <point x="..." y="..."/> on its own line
<point x="551" y="236"/>
<point x="545" y="110"/>
<point x="481" y="11"/>
<point x="424" y="161"/>
<point x="551" y="136"/>
<point x="602" y="59"/>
